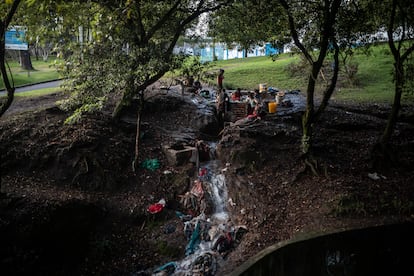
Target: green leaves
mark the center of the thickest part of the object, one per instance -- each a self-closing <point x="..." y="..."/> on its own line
<point x="110" y="48"/>
<point x="249" y="23"/>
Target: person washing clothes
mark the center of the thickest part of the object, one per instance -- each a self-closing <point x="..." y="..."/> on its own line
<point x="236" y="96"/>
<point x="251" y="103"/>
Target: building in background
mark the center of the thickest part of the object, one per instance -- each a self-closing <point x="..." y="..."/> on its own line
<point x="220" y="51"/>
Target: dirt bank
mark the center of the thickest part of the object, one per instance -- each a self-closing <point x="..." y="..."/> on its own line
<point x="72" y="205"/>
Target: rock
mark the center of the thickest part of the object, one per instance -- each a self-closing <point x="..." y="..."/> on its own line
<point x="180" y="156"/>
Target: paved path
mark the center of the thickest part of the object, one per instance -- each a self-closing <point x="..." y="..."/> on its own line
<point x="37" y="86"/>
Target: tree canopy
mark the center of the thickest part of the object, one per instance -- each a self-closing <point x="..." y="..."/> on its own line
<point x="129" y="45"/>
<point x="249" y="23"/>
<point x="7" y="9"/>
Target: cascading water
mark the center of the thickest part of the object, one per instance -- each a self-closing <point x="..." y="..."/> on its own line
<point x="218" y="190"/>
<point x="209" y="238"/>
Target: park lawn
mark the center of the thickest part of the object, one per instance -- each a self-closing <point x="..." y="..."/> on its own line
<point x="248" y="73"/>
<point x="374" y="76"/>
<point x="43" y="71"/>
<point x="38" y="92"/>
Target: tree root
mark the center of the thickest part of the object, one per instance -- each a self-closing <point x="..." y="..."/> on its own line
<point x="311" y="165"/>
<point x="80" y="171"/>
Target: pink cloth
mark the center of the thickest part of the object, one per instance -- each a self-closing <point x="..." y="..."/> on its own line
<point x="197" y="189"/>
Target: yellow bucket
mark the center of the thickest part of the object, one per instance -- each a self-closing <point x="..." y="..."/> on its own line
<point x="272" y="107"/>
<point x="262" y="87"/>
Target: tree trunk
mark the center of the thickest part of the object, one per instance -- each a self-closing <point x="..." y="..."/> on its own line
<point x="5" y="104"/>
<point x="135" y="163"/>
<point x="36" y="51"/>
<point x="382" y="155"/>
<point x="45" y="53"/>
<point x="307" y="118"/>
<point x="137" y="141"/>
<point x="120" y="105"/>
<point x="125" y="100"/>
<point x="392" y="119"/>
<point x="9" y="87"/>
<point x="25" y="61"/>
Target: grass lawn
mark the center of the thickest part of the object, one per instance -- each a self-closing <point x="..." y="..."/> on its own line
<point x="248" y="73"/>
<point x="43" y="71"/>
<point x="38" y="92"/>
<point x="374" y="76"/>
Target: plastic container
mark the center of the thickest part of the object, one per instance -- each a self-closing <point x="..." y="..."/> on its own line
<point x="272" y="107"/>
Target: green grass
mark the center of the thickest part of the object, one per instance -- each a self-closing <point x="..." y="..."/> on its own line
<point x="375" y="78"/>
<point x="43" y="71"/>
<point x="248" y="73"/>
<point x="374" y="75"/>
<point x="38" y="92"/>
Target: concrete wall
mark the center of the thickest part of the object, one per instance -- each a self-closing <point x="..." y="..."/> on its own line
<point x="382" y="250"/>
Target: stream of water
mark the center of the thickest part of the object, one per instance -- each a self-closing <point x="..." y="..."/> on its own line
<point x="209" y="237"/>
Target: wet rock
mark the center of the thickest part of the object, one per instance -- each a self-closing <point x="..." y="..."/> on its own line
<point x="180" y="156"/>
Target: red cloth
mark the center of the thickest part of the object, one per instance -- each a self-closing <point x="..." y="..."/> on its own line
<point x="203" y="172"/>
<point x="155" y="208"/>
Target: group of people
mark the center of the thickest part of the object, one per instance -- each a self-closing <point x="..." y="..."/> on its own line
<point x="223" y="99"/>
<point x="194" y="85"/>
<point x="255" y="105"/>
<point x="253" y="99"/>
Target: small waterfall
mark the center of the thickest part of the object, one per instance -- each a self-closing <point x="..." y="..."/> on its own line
<point x="209" y="238"/>
<point x="218" y="188"/>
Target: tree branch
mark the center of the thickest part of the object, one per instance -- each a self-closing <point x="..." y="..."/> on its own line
<point x="329" y="91"/>
<point x="294" y="33"/>
<point x="3" y="28"/>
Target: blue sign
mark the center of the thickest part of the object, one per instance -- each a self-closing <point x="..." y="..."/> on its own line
<point x="16" y="40"/>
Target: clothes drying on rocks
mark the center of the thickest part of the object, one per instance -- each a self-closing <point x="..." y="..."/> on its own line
<point x="151" y="164"/>
<point x="197" y="189"/>
<point x="182" y="216"/>
<point x="205" y="240"/>
<point x="166" y="269"/>
<point x="194" y="201"/>
<point x="205" y="264"/>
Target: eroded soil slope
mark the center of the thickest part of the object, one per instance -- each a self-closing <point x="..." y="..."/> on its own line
<point x="71" y="203"/>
